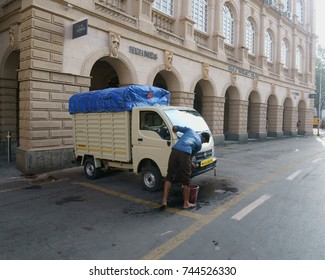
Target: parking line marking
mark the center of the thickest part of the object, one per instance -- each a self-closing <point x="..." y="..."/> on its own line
<point x="10" y="190"/>
<point x="139" y="200"/>
<point x="249" y="208"/>
<point x="294" y="175"/>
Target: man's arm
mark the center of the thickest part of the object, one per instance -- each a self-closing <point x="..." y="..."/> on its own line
<point x="177" y="128"/>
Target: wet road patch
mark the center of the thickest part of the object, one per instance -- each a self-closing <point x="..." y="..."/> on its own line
<point x="69" y="200"/>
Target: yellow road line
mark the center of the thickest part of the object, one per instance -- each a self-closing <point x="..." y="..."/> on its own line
<point x="10" y="190"/>
<point x="38" y="182"/>
<point x="139" y="200"/>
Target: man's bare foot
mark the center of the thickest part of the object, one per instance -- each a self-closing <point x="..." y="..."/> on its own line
<point x="163" y="206"/>
<point x="189" y="205"/>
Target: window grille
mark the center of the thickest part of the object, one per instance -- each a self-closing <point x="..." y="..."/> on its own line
<point x="165" y="6"/>
<point x="285" y="54"/>
<point x="200" y="14"/>
<point x="228" y="25"/>
<point x="299" y="59"/>
<point x="300" y="11"/>
<point x="268" y="46"/>
<point x="250" y="36"/>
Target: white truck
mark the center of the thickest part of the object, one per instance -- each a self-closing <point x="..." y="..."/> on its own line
<point x="138" y="140"/>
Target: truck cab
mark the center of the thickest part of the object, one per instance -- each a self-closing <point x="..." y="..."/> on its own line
<point x="153" y="138"/>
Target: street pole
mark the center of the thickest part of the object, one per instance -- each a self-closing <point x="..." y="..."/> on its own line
<point x="319" y="97"/>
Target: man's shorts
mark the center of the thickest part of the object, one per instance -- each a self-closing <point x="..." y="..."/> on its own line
<point x="179" y="161"/>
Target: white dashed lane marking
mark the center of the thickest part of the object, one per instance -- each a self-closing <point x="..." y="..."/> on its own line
<point x="249" y="208"/>
<point x="294" y="175"/>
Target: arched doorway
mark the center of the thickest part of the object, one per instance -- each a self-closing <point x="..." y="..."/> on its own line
<point x="103" y="76"/>
<point x="168" y="80"/>
<point x="160" y="82"/>
<point x="110" y="72"/>
<point x="198" y="98"/>
<point x="302" y="118"/>
<point x="9" y="103"/>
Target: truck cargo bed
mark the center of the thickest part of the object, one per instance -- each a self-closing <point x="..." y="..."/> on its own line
<point x="103" y="135"/>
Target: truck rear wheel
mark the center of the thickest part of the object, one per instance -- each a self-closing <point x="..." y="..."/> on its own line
<point x="151" y="178"/>
<point x="90" y="169"/>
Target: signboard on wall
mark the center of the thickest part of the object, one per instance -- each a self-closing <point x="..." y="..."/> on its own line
<point x="80" y="28"/>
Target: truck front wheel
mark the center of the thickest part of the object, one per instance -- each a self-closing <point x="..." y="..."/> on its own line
<point x="90" y="169"/>
<point x="151" y="178"/>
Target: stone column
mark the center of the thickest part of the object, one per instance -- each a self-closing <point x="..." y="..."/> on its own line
<point x="274" y="121"/>
<point x="187" y="24"/>
<point x="45" y="130"/>
<point x="143" y="11"/>
<point x="218" y="37"/>
<point x="243" y="51"/>
<point x="237" y="130"/>
<point x="262" y="57"/>
<point x="258" y="120"/>
<point x="294" y="69"/>
<point x="307" y="122"/>
<point x="211" y="21"/>
<point x="179" y="98"/>
<point x="279" y="64"/>
<point x="213" y="113"/>
<point x="290" y="119"/>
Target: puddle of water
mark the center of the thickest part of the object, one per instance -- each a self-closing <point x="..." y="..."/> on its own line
<point x="69" y="199"/>
<point x="34" y="187"/>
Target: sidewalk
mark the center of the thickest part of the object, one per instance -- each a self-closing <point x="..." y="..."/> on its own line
<point x="8" y="171"/>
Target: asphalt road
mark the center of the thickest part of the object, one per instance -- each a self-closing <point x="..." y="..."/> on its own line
<point x="265" y="202"/>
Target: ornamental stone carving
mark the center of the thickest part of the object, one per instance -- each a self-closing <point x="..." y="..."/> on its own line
<point x="114" y="43"/>
<point x="168" y="60"/>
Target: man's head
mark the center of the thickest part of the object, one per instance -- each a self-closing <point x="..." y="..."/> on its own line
<point x="205" y="136"/>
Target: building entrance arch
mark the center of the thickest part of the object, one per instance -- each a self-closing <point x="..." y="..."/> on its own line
<point x="302" y="126"/>
<point x="169" y="81"/>
<point x="9" y="104"/>
<point x="109" y="72"/>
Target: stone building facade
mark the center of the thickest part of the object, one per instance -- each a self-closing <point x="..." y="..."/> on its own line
<point x="248" y="66"/>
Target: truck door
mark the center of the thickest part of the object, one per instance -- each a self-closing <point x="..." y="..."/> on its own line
<point x="151" y="139"/>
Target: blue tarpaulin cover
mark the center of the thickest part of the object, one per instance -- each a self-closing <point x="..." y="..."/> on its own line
<point x="118" y="99"/>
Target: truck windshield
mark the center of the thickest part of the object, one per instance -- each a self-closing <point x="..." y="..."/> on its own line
<point x="187" y="117"/>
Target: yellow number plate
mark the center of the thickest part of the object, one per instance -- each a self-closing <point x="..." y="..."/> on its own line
<point x="206" y="162"/>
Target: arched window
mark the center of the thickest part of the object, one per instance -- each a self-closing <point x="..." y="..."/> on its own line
<point x="285" y="53"/>
<point x="228" y="24"/>
<point x="250" y="36"/>
<point x="300" y="11"/>
<point x="299" y="59"/>
<point x="268" y="49"/>
<point x="200" y="14"/>
<point x="165" y="6"/>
